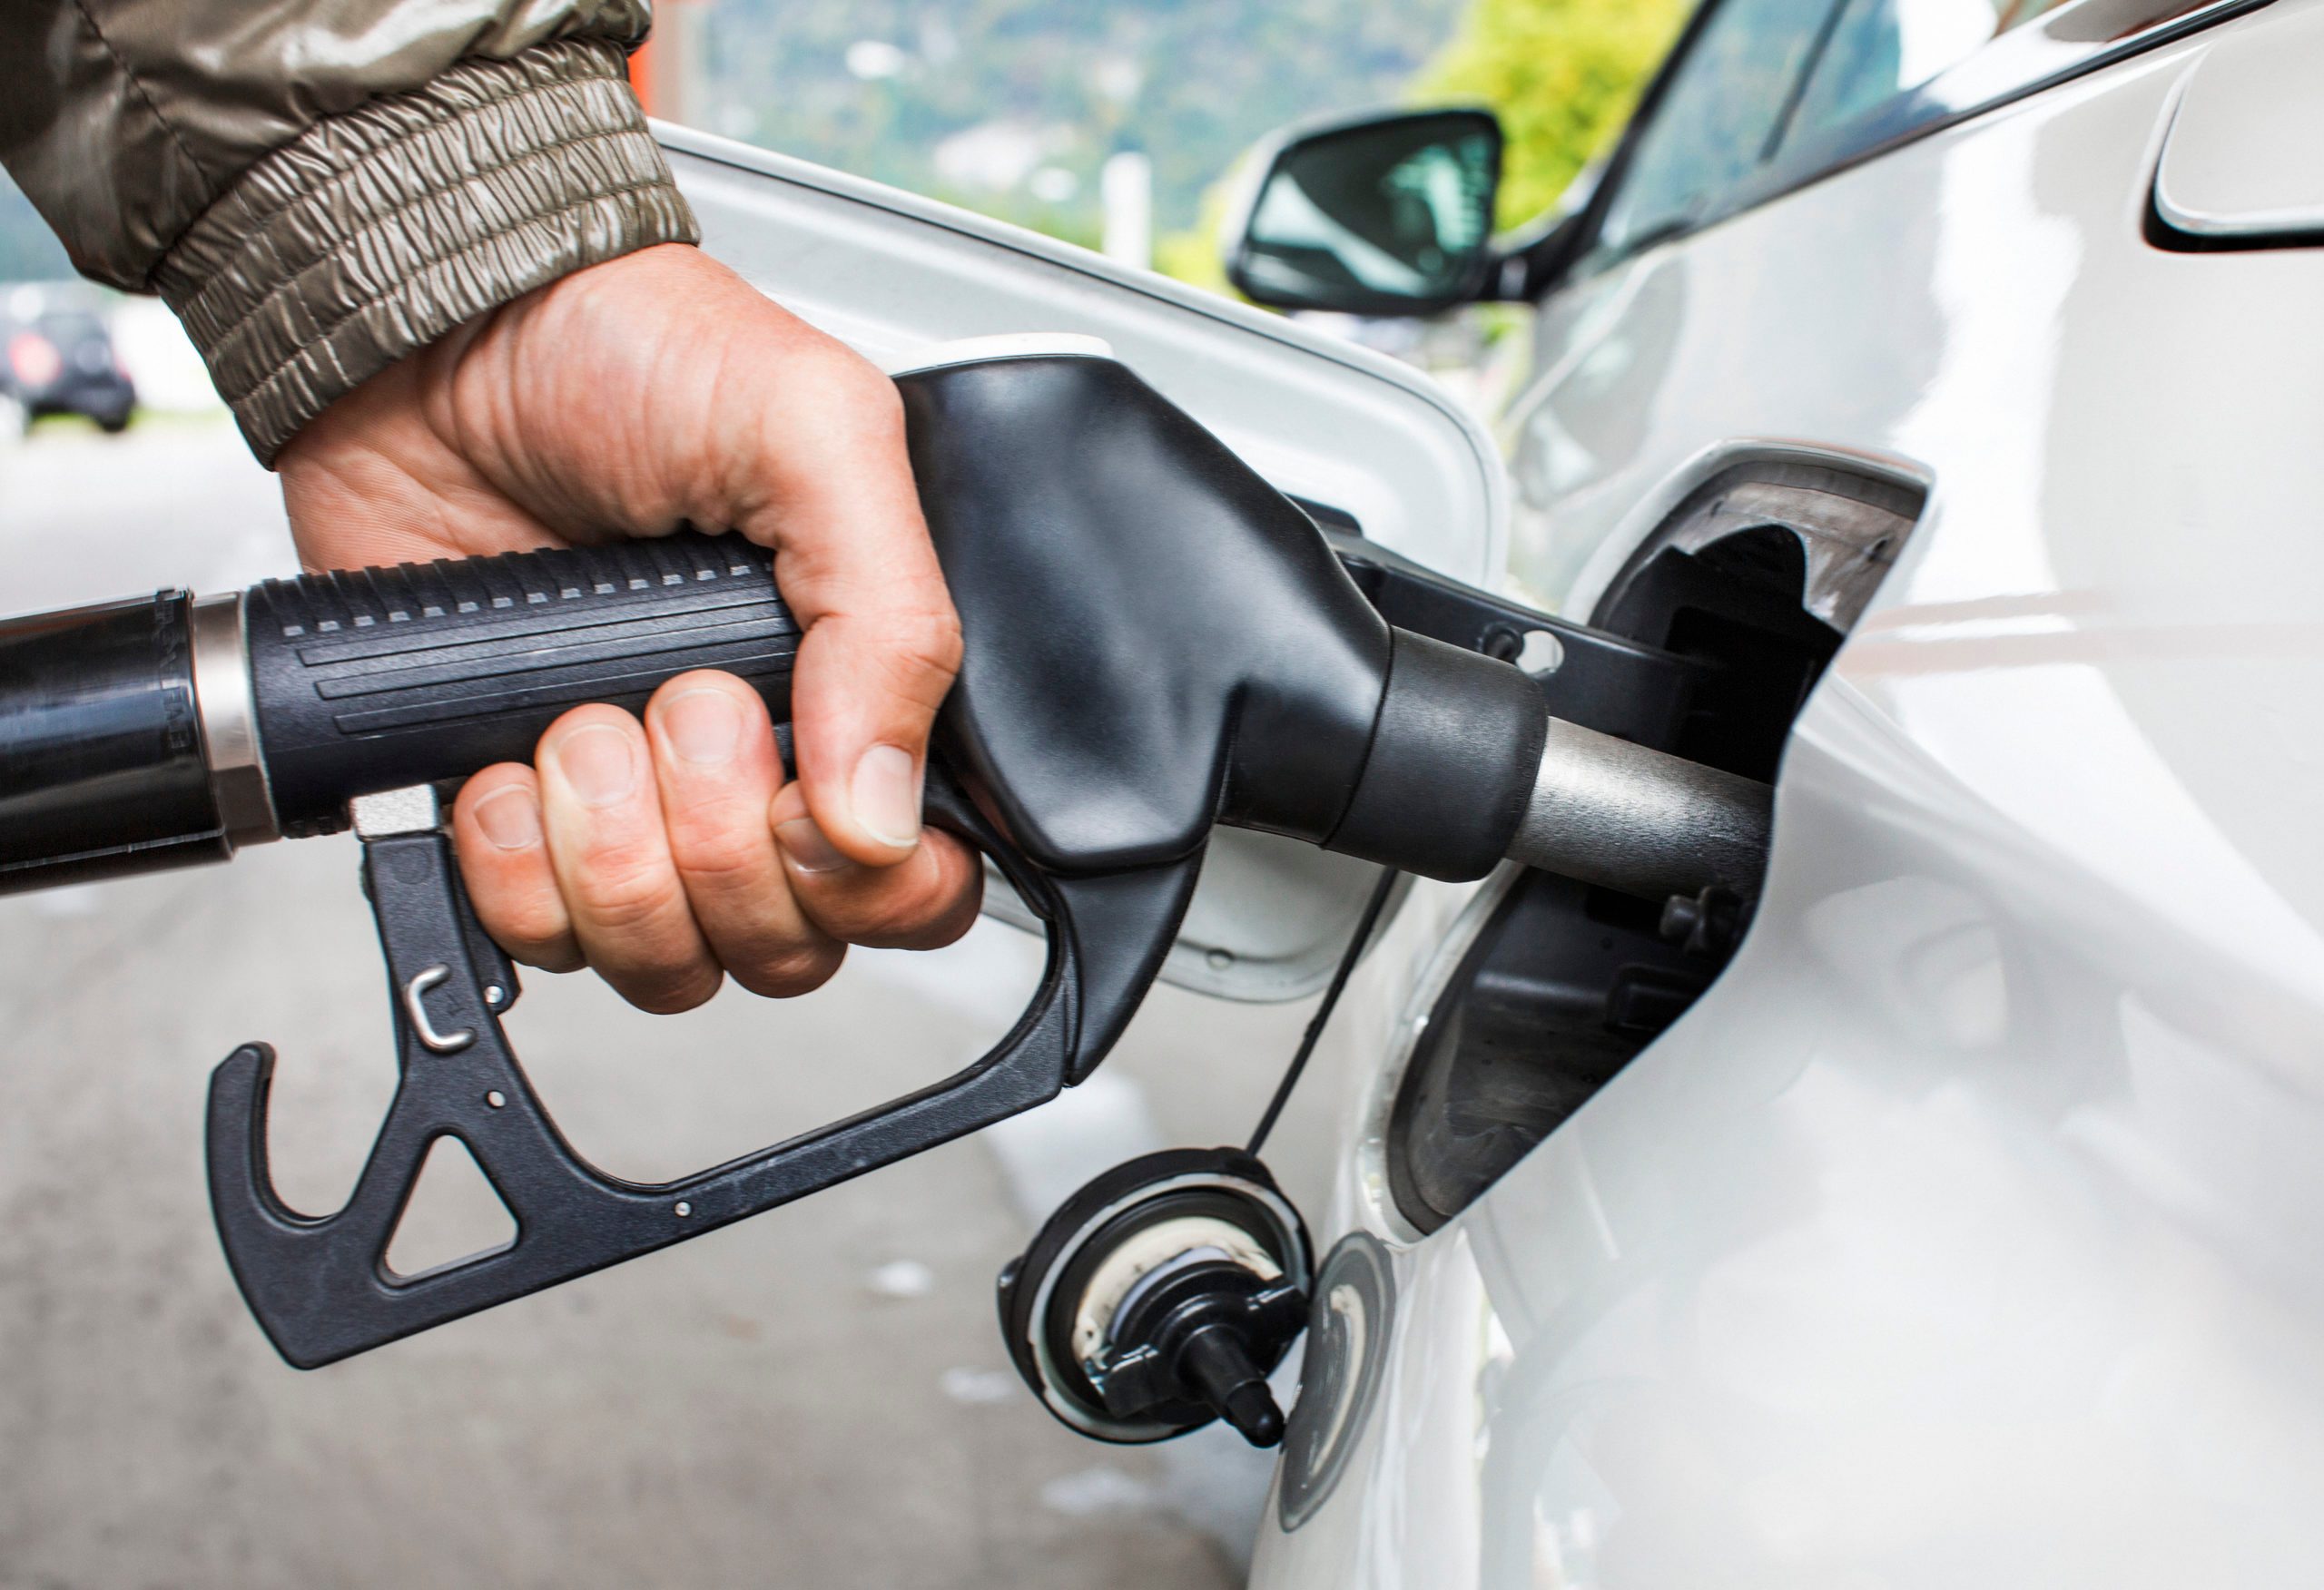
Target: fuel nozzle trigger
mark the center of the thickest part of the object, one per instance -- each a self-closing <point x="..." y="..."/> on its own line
<point x="320" y="1286"/>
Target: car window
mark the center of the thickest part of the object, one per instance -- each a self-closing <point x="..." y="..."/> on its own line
<point x="1720" y="118"/>
<point x="1883" y="48"/>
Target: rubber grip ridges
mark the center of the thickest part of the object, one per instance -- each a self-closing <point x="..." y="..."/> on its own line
<point x="372" y="679"/>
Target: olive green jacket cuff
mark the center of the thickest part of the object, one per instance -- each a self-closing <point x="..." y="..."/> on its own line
<point x="377" y="232"/>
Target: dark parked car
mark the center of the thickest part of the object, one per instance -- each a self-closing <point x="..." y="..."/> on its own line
<point x="60" y="359"/>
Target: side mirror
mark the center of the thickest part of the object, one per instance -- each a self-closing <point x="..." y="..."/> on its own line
<point x="1390" y="214"/>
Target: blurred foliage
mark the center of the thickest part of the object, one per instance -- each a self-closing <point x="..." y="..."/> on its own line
<point x="1190" y="82"/>
<point x="1060" y="84"/>
<point x="1192" y="254"/>
<point x="1563" y="75"/>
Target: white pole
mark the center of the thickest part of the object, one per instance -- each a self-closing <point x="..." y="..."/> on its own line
<point x="681" y="30"/>
<point x="1126" y="189"/>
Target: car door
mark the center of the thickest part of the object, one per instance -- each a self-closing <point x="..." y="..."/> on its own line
<point x="1939" y="1237"/>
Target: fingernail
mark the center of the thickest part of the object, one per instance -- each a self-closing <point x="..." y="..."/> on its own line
<point x="804" y="843"/>
<point x="597" y="761"/>
<point x="704" y="726"/>
<point x="510" y="817"/>
<point x="886" y="792"/>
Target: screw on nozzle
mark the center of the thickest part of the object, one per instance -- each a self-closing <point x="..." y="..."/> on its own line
<point x="1215" y="1364"/>
<point x="1707" y="923"/>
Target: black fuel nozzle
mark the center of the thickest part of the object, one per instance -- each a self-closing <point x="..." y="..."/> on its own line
<point x="1156" y="641"/>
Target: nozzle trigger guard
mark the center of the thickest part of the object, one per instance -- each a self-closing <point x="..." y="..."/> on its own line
<point x="320" y="1286"/>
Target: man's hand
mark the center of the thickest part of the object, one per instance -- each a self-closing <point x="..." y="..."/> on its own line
<point x="655" y="389"/>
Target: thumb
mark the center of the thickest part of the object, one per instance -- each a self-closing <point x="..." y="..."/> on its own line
<point x="882" y="642"/>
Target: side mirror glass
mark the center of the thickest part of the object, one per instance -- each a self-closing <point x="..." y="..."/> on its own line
<point x="1389" y="215"/>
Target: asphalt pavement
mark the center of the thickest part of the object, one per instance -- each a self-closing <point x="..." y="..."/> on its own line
<point x="815" y="1398"/>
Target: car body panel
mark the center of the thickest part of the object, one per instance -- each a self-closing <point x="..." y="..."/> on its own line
<point x="893" y="274"/>
<point x="1972" y="1225"/>
<point x="2243" y="164"/>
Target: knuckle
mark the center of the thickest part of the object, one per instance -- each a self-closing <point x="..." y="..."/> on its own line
<point x="673" y="993"/>
<point x="533" y="934"/>
<point x="892" y="926"/>
<point x="870" y="397"/>
<point x="920" y="644"/>
<point x="789" y="974"/>
<point x="947" y="927"/>
<point x="529" y="925"/>
<point x="933" y="638"/>
<point x="722" y="857"/>
<point x="546" y="958"/>
<point x="852" y="395"/>
<point x="883" y="923"/>
<point x="624" y="895"/>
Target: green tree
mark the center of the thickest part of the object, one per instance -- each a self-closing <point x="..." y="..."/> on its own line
<point x="1563" y="75"/>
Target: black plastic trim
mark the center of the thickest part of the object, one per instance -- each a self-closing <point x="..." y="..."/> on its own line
<point x="2160" y="234"/>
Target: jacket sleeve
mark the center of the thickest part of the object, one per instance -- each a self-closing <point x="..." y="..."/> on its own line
<point x="321" y="187"/>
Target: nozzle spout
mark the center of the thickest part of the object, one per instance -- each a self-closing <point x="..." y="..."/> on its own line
<point x="1642" y="822"/>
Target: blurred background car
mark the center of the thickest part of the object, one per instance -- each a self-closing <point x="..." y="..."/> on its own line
<point x="61" y="358"/>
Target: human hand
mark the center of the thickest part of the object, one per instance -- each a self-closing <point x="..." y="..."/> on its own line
<point x="655" y="389"/>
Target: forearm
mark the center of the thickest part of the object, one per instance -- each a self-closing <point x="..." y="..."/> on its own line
<point x="318" y="196"/>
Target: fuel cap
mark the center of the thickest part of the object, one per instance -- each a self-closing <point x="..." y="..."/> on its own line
<point x="1160" y="1297"/>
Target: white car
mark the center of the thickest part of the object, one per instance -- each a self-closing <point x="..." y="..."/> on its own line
<point x="1959" y="392"/>
<point x="1926" y="416"/>
<point x="1946" y="393"/>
